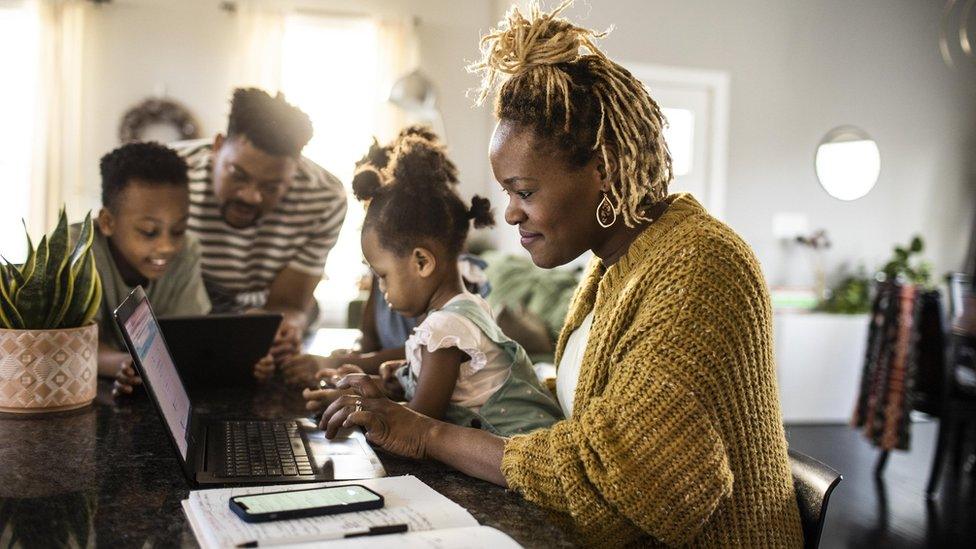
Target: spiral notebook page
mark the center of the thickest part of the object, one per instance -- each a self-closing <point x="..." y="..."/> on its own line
<point x="408" y="500"/>
<point x="472" y="537"/>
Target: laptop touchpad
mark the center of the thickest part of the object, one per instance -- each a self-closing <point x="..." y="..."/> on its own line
<point x="351" y="455"/>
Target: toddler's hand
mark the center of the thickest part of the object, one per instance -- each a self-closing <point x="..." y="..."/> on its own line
<point x="333" y="374"/>
<point x="391" y="385"/>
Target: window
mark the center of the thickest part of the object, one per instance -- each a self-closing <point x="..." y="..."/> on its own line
<point x="329" y="70"/>
<point x="18" y="33"/>
<point x="680" y="136"/>
<point x="695" y="104"/>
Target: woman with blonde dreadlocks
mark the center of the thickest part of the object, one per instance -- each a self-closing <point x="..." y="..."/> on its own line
<point x="673" y="433"/>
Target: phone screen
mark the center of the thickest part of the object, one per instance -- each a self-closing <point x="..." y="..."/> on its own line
<point x="333" y="496"/>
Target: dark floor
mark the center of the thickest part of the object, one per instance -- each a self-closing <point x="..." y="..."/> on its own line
<point x="894" y="511"/>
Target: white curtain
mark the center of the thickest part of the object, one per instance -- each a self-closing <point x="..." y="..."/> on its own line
<point x="398" y="55"/>
<point x="260" y="32"/>
<point x="57" y="167"/>
<point x="260" y="35"/>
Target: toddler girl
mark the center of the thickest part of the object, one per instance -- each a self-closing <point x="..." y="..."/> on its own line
<point x="459" y="365"/>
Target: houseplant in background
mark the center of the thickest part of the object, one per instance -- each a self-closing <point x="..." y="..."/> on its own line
<point x="903" y="269"/>
<point x="48" y="342"/>
<point x="850" y="296"/>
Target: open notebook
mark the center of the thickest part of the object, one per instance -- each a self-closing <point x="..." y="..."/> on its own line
<point x="435" y="521"/>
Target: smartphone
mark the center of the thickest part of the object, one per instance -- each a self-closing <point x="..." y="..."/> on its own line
<point x="309" y="502"/>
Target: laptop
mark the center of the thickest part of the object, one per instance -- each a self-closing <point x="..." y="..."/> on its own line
<point x="216" y="351"/>
<point x="214" y="451"/>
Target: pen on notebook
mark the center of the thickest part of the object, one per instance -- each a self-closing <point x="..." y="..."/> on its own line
<point x="325" y="536"/>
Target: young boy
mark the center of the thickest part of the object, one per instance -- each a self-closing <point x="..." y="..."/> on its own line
<point x="140" y="239"/>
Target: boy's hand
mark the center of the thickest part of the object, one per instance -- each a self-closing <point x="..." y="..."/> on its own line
<point x="391" y="385"/>
<point x="265" y="368"/>
<point x="125" y="379"/>
<point x="301" y="369"/>
<point x="287" y="342"/>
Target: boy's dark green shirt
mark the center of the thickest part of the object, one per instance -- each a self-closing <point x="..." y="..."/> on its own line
<point x="179" y="291"/>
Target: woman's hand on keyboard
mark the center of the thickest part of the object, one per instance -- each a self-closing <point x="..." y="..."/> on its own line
<point x="389" y="425"/>
<point x="317" y="400"/>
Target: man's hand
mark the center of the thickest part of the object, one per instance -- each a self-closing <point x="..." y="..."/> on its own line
<point x="265" y="368"/>
<point x="287" y="342"/>
<point x="301" y="369"/>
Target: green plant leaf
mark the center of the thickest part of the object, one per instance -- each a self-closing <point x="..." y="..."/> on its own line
<point x="85" y="284"/>
<point x="76" y="301"/>
<point x="917" y="245"/>
<point x="32" y="299"/>
<point x="14" y="278"/>
<point x="69" y="273"/>
<point x="84" y="244"/>
<point x="5" y="278"/>
<point x="9" y="316"/>
<point x="67" y="281"/>
<point x="27" y="268"/>
<point x="57" y="262"/>
<point x="96" y="300"/>
<point x="14" y="271"/>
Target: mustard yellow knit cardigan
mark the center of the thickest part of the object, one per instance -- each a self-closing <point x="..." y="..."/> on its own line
<point x="676" y="436"/>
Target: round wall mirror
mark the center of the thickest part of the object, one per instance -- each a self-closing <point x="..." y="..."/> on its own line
<point x="848" y="163"/>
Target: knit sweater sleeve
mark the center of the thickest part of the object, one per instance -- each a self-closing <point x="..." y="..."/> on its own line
<point x="643" y="458"/>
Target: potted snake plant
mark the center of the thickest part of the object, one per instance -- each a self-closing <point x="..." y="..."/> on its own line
<point x="48" y="340"/>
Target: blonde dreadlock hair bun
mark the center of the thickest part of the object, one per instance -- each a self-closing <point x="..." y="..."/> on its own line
<point x="559" y="83"/>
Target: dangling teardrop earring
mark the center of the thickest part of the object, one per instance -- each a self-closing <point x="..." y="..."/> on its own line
<point x="606" y="212"/>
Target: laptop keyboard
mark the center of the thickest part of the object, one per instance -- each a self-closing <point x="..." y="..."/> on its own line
<point x="264" y="448"/>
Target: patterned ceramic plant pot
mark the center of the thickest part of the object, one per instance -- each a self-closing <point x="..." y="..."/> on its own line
<point x="48" y="370"/>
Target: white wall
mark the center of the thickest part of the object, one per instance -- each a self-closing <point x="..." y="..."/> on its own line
<point x="137" y="47"/>
<point x="798" y="69"/>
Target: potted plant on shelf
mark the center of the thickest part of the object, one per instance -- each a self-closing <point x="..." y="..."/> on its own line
<point x="851" y="295"/>
<point x="48" y="342"/>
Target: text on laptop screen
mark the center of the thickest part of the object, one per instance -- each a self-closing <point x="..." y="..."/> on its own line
<point x="158" y="365"/>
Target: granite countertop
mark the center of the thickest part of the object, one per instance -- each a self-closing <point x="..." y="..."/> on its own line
<point x="106" y="475"/>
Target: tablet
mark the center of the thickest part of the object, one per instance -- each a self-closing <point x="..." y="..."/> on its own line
<point x="219" y="351"/>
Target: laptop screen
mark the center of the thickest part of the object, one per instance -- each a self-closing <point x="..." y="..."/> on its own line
<point x="143" y="331"/>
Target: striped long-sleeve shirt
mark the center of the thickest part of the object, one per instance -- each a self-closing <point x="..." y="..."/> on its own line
<point x="239" y="265"/>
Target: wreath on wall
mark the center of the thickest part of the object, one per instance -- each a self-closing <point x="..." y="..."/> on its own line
<point x="157" y="111"/>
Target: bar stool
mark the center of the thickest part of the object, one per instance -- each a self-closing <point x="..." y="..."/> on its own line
<point x="957" y="409"/>
<point x="813" y="482"/>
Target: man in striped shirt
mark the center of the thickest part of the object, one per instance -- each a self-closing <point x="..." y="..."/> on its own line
<point x="266" y="217"/>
